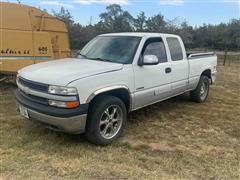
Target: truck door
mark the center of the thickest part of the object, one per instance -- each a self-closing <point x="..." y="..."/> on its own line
<point x="179" y="65"/>
<point x="152" y="82"/>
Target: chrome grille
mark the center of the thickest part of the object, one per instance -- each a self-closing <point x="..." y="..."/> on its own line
<point x="34" y="98"/>
<point x="33" y="85"/>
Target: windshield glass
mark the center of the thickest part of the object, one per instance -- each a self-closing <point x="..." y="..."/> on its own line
<point x="117" y="49"/>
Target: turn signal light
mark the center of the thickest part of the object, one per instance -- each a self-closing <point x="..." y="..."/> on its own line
<point x="72" y="104"/>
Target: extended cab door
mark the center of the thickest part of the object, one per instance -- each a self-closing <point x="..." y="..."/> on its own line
<point x="152" y="82"/>
<point x="179" y="64"/>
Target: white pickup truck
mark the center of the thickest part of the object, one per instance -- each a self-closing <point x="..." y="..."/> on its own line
<point x="113" y="75"/>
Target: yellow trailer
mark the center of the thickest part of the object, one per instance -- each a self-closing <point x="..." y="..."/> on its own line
<point x="28" y="36"/>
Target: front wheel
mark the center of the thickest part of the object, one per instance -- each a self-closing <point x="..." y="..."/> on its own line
<point x="106" y="119"/>
<point x="200" y="94"/>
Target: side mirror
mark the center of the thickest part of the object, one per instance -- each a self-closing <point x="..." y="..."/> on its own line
<point x="149" y="60"/>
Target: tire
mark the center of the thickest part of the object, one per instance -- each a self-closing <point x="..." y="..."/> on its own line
<point x="200" y="94"/>
<point x="106" y="120"/>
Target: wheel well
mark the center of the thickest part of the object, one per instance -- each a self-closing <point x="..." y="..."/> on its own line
<point x="122" y="94"/>
<point x="207" y="73"/>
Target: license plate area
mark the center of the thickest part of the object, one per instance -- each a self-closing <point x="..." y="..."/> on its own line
<point x="23" y="111"/>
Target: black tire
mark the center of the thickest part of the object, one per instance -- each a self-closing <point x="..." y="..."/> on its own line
<point x="198" y="95"/>
<point x="97" y="109"/>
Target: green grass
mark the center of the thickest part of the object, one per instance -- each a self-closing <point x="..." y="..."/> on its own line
<point x="169" y="140"/>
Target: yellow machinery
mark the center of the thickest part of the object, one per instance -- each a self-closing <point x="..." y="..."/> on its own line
<point x="27" y="36"/>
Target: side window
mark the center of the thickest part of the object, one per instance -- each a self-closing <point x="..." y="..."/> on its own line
<point x="175" y="49"/>
<point x="155" y="46"/>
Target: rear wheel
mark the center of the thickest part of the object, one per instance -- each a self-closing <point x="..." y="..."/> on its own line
<point x="106" y="120"/>
<point x="200" y="94"/>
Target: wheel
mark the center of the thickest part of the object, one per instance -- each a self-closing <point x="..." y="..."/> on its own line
<point x="200" y="94"/>
<point x="106" y="119"/>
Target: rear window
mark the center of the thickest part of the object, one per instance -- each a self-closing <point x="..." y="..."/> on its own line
<point x="175" y="49"/>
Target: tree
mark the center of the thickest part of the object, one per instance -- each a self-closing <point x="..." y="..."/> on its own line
<point x="224" y="36"/>
<point x="186" y="32"/>
<point x="116" y="20"/>
<point x="156" y="23"/>
<point x="64" y="15"/>
<point x="172" y="26"/>
<point x="76" y="36"/>
<point x="233" y="33"/>
<point x="140" y="22"/>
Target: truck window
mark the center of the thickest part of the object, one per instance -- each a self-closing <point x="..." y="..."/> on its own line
<point x="116" y="49"/>
<point x="175" y="49"/>
<point x="155" y="46"/>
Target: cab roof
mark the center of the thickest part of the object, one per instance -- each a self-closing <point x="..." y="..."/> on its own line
<point x="140" y="34"/>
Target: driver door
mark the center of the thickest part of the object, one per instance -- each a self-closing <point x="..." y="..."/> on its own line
<point x="152" y="82"/>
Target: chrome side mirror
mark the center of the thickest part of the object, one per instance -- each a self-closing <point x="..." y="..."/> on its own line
<point x="150" y="60"/>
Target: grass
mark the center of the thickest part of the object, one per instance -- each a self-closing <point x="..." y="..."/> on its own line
<point x="231" y="59"/>
<point x="169" y="140"/>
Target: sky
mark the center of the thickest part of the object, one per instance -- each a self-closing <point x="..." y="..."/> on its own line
<point x="195" y="12"/>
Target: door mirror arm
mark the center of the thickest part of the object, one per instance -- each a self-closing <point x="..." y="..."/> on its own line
<point x="140" y="61"/>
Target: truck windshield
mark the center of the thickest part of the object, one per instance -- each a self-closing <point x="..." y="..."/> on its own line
<point x="116" y="49"/>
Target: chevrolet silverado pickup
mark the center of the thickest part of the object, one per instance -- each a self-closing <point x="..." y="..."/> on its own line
<point x="113" y="75"/>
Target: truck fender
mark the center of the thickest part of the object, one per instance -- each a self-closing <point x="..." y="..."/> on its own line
<point x="109" y="89"/>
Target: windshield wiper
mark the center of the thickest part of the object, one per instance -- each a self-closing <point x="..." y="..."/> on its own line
<point x="101" y="59"/>
<point x="98" y="58"/>
<point x="83" y="55"/>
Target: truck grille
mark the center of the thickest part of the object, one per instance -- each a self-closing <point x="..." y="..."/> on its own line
<point x="34" y="98"/>
<point x="33" y="85"/>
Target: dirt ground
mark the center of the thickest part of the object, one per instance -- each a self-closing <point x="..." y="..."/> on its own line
<point x="173" y="139"/>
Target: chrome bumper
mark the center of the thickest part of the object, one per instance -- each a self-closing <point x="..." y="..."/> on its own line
<point x="72" y="125"/>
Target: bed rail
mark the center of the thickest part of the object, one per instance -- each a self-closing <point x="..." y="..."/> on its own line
<point x="199" y="55"/>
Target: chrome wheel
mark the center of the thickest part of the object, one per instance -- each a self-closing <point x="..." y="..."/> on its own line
<point x="204" y="90"/>
<point x="111" y="121"/>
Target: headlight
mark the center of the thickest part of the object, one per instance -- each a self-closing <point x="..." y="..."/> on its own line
<point x="62" y="90"/>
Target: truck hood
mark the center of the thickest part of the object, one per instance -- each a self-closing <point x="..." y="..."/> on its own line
<point x="62" y="72"/>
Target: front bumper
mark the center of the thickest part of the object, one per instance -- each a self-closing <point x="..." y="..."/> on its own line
<point x="71" y="121"/>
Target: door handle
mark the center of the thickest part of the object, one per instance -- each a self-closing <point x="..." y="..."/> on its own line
<point x="168" y="70"/>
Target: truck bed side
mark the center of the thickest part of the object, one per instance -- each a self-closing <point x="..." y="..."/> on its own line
<point x="199" y="64"/>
